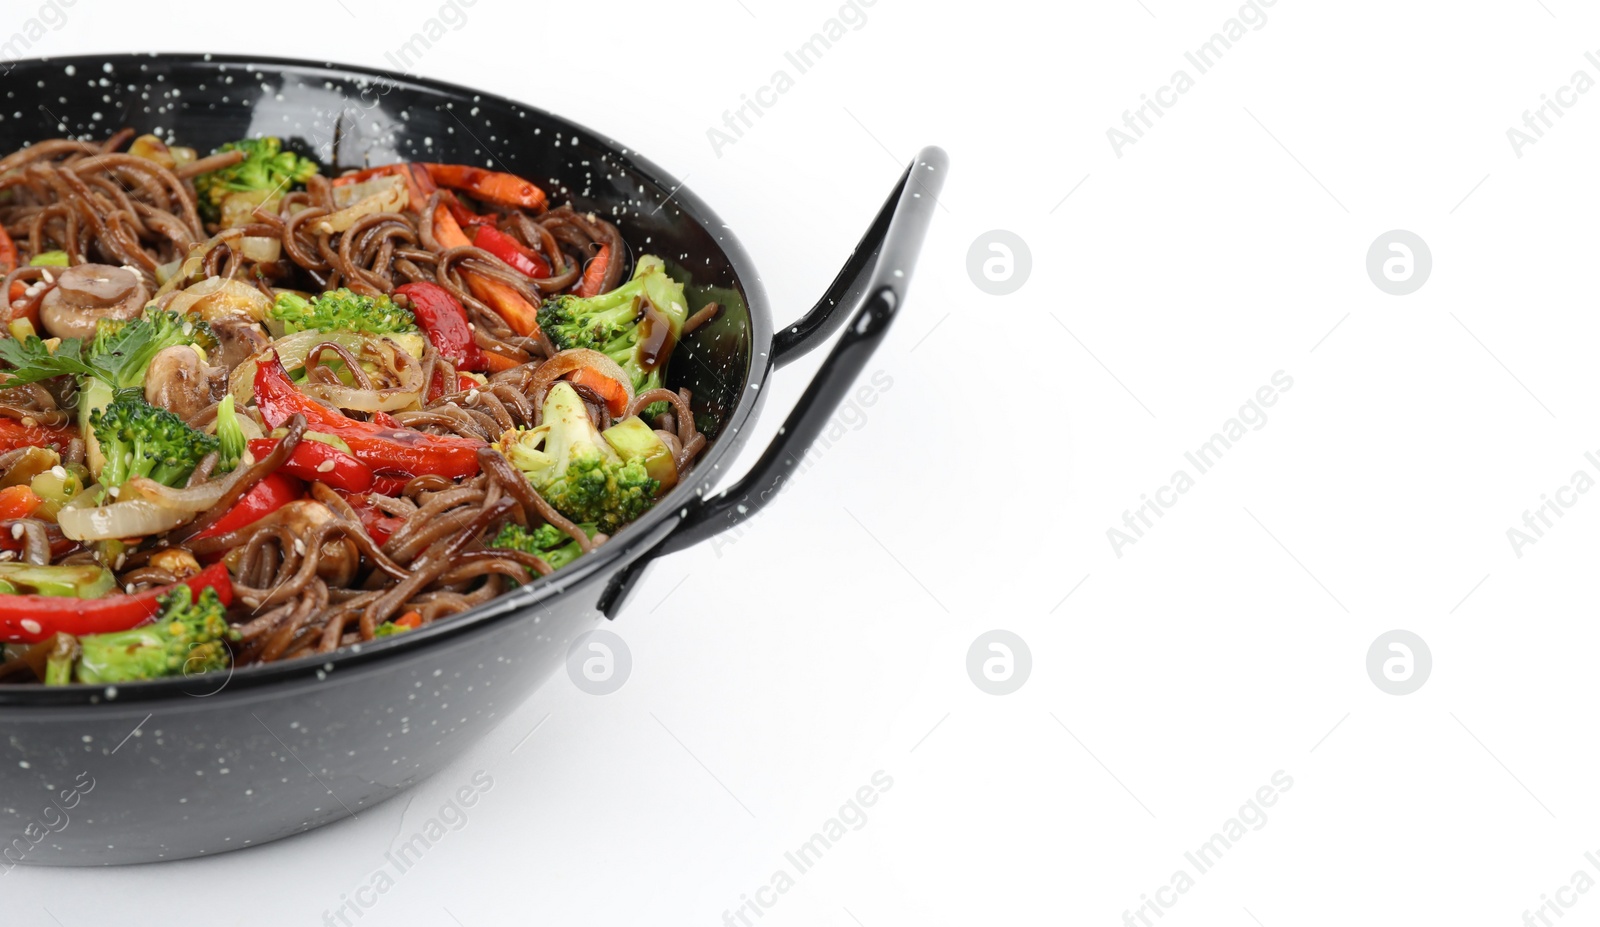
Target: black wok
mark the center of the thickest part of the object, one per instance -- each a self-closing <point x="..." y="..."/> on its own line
<point x="184" y="767"/>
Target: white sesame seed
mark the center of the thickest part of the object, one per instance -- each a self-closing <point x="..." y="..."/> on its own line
<point x="325" y="467"/>
<point x="31" y="626"/>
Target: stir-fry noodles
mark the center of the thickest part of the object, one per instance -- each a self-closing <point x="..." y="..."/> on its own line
<point x="250" y="413"/>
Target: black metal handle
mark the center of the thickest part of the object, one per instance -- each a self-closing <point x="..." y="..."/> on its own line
<point x="878" y="271"/>
<point x="876" y="276"/>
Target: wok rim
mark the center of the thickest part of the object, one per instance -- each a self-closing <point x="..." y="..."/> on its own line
<point x="634" y="540"/>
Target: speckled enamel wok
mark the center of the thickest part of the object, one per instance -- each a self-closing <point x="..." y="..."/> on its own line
<point x="185" y="767"/>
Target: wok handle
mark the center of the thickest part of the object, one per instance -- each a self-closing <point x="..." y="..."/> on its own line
<point x="877" y="274"/>
<point x="876" y="277"/>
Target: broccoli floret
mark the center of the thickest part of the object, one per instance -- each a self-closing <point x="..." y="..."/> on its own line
<point x="267" y="170"/>
<point x="139" y="439"/>
<point x="572" y="466"/>
<point x="117" y="355"/>
<point x="190" y="637"/>
<point x="548" y="542"/>
<point x="342" y="311"/>
<point x="123" y="349"/>
<point x="231" y="440"/>
<point x="612" y="323"/>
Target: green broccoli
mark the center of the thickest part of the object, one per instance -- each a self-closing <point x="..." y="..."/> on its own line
<point x="139" y="439"/>
<point x="571" y="465"/>
<point x="117" y="356"/>
<point x="342" y="311"/>
<point x="266" y="173"/>
<point x="113" y="361"/>
<point x="547" y="542"/>
<point x="612" y="323"/>
<point x="190" y="637"/>
<point x="231" y="440"/>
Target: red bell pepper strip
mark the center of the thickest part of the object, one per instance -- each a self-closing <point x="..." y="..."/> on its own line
<point x="383" y="447"/>
<point x="314" y="460"/>
<point x="8" y="252"/>
<point x="465" y="217"/>
<point x="271" y="494"/>
<point x="445" y="321"/>
<point x="389" y="485"/>
<point x="18" y="502"/>
<point x="594" y="273"/>
<point x="436" y="385"/>
<point x="511" y="251"/>
<point x="28" y="619"/>
<point x="362" y="176"/>
<point x="518" y="313"/>
<point x="14" y="434"/>
<point x="490" y="186"/>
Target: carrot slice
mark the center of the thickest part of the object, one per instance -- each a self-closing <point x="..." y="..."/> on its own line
<point x="522" y="316"/>
<point x="595" y="273"/>
<point x="498" y="362"/>
<point x="614" y="393"/>
<point x="493" y="186"/>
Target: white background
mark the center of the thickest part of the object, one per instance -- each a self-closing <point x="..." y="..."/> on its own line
<point x="773" y="676"/>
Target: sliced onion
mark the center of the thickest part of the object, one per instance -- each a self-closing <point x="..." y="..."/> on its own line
<point x="564" y="362"/>
<point x="220" y="298"/>
<point x="390" y="195"/>
<point x="132" y="519"/>
<point x="259" y="249"/>
<point x="197" y="256"/>
<point x="146" y="508"/>
<point x="406" y="394"/>
<point x="190" y="499"/>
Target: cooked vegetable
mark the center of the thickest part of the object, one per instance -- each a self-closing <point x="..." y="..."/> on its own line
<point x="75" y="581"/>
<point x="189" y="638"/>
<point x="33" y="618"/>
<point x="510" y="250"/>
<point x="232" y="442"/>
<point x="384" y="448"/>
<point x="631" y="438"/>
<point x="489" y="186"/>
<point x="546" y="542"/>
<point x="342" y="311"/>
<point x="51" y="259"/>
<point x="637" y="324"/>
<point x="571" y="465"/>
<point x="271" y="494"/>
<point x="139" y="439"/>
<point x="521" y="315"/>
<point x="266" y="171"/>
<point x="445" y="321"/>
<point x="86" y="294"/>
<point x="315" y="460"/>
<point x="238" y="392"/>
